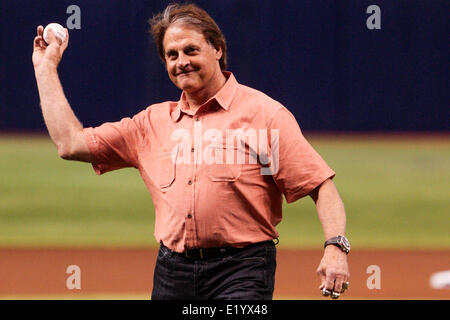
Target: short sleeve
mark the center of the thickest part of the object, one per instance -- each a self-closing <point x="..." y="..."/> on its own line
<point x="114" y="145"/>
<point x="300" y="169"/>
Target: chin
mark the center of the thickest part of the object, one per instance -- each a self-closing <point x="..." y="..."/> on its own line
<point x="187" y="86"/>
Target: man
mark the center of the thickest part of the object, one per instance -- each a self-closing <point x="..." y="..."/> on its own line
<point x="216" y="205"/>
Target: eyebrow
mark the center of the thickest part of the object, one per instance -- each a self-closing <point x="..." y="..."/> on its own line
<point x="188" y="46"/>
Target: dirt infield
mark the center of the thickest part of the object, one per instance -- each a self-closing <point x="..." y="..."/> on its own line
<point x="403" y="274"/>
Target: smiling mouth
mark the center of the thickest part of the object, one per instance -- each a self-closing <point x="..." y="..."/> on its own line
<point x="185" y="73"/>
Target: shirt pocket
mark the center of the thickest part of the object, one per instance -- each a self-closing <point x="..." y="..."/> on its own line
<point x="166" y="161"/>
<point x="224" y="172"/>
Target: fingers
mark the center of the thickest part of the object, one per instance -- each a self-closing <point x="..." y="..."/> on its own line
<point x="51" y="38"/>
<point x="66" y="41"/>
<point x="331" y="287"/>
<point x="320" y="272"/>
<point x="330" y="282"/>
<point x="327" y="279"/>
<point x="326" y="292"/>
<point x="339" y="281"/>
<point x="50" y="51"/>
<point x="40" y="31"/>
<point x="333" y="283"/>
<point x="345" y="286"/>
<point x="39" y="42"/>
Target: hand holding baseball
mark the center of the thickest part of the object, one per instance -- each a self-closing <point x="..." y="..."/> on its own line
<point x="48" y="53"/>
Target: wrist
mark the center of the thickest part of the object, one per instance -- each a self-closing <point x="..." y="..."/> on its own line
<point x="333" y="249"/>
<point x="338" y="242"/>
<point x="45" y="68"/>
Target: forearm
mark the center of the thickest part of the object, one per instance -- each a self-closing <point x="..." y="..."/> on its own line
<point x="61" y="122"/>
<point x="333" y="268"/>
<point x="330" y="210"/>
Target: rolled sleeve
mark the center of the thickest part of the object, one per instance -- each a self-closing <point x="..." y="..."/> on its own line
<point x="301" y="168"/>
<point x="113" y="145"/>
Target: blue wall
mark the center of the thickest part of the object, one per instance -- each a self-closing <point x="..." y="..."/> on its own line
<point x="316" y="57"/>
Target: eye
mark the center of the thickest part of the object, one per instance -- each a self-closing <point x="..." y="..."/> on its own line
<point x="191" y="50"/>
<point x="172" y="54"/>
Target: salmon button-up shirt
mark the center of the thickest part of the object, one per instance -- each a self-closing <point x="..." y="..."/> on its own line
<point x="216" y="176"/>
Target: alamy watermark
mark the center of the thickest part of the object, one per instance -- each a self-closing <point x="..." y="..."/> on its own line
<point x="74" y="280"/>
<point x="74" y="20"/>
<point x="234" y="146"/>
<point x="374" y="20"/>
<point x="374" y="280"/>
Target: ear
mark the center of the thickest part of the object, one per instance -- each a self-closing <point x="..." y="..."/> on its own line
<point x="219" y="53"/>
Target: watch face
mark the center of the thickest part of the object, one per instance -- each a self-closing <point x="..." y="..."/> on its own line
<point x="344" y="243"/>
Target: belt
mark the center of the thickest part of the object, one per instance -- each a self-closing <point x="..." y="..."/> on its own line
<point x="209" y="253"/>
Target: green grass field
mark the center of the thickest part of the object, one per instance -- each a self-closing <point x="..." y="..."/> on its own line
<point x="396" y="193"/>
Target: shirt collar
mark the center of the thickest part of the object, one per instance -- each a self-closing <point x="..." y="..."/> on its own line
<point x="224" y="96"/>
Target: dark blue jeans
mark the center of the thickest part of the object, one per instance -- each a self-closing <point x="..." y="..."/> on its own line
<point x="248" y="274"/>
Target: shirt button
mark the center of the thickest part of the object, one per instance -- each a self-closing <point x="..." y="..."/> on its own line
<point x="193" y="149"/>
<point x="189" y="182"/>
<point x="197" y="119"/>
<point x="189" y="216"/>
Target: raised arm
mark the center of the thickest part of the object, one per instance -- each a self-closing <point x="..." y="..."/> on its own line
<point x="64" y="128"/>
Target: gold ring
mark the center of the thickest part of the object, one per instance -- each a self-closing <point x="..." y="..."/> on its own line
<point x="346" y="285"/>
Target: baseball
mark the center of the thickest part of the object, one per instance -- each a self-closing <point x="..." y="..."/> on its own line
<point x="58" y="31"/>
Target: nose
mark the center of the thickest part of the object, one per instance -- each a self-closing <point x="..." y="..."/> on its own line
<point x="183" y="61"/>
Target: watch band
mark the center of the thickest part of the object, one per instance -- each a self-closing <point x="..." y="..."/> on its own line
<point x="339" y="241"/>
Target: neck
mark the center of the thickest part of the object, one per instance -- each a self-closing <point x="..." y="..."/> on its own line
<point x="196" y="99"/>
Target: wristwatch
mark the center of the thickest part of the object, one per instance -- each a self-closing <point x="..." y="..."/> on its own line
<point x="340" y="241"/>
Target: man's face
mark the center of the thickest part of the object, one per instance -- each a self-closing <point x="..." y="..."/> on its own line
<point x="191" y="61"/>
